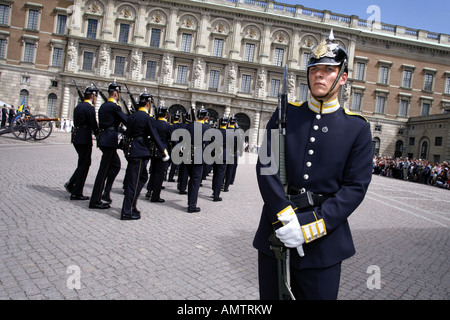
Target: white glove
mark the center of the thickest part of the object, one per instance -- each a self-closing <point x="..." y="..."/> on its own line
<point x="291" y="233"/>
<point x="166" y="156"/>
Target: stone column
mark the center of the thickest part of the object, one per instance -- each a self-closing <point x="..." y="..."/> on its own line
<point x="236" y="41"/>
<point x="66" y="102"/>
<point x="202" y="34"/>
<point x="139" y="32"/>
<point x="264" y="50"/>
<point x="253" y="139"/>
<point x="108" y="21"/>
<point x="171" y="34"/>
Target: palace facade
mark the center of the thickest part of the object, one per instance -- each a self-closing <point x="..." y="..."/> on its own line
<point x="227" y="56"/>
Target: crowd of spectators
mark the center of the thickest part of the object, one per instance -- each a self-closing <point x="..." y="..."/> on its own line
<point x="415" y="170"/>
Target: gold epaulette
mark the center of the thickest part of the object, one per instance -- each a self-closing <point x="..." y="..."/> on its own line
<point x="354" y="114"/>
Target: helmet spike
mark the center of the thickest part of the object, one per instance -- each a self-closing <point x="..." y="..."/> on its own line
<point x="331" y="36"/>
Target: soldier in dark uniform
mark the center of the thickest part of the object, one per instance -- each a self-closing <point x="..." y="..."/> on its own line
<point x="174" y="167"/>
<point x="85" y="124"/>
<point x="328" y="167"/>
<point x="110" y="116"/>
<point x="183" y="170"/>
<point x="140" y="132"/>
<point x="220" y="164"/>
<point x="4" y="116"/>
<point x="231" y="166"/>
<point x="158" y="166"/>
<point x="11" y="116"/>
<point x="195" y="168"/>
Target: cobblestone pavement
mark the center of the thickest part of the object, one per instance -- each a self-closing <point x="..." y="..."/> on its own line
<point x="50" y="245"/>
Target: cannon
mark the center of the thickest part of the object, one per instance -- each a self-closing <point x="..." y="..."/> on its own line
<point x="26" y="126"/>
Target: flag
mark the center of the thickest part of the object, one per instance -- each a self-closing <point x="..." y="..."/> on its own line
<point x="20" y="109"/>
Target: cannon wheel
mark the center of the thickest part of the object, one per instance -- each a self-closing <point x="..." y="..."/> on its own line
<point x="21" y="127"/>
<point x="41" y="128"/>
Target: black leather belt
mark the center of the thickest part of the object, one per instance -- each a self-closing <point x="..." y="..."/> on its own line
<point x="109" y="129"/>
<point x="305" y="199"/>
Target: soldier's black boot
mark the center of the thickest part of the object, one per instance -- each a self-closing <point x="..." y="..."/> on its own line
<point x="106" y="197"/>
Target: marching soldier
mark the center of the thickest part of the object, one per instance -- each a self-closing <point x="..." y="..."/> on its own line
<point x="231" y="167"/>
<point x="174" y="167"/>
<point x="110" y="116"/>
<point x="141" y="134"/>
<point x="183" y="171"/>
<point x="85" y="124"/>
<point x="158" y="166"/>
<point x="325" y="183"/>
<point x="220" y="164"/>
<point x="195" y="168"/>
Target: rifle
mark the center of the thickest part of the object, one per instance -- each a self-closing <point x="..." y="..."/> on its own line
<point x="80" y="95"/>
<point x="133" y="102"/>
<point x="282" y="114"/>
<point x="101" y="93"/>
<point x="126" y="106"/>
<point x="281" y="252"/>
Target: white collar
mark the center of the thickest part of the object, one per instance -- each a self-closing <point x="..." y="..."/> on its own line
<point x="323" y="107"/>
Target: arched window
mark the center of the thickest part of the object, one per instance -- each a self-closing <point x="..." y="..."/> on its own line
<point x="398" y="148"/>
<point x="176" y="107"/>
<point x="23" y="98"/>
<point x="51" y="105"/>
<point x="376" y="146"/>
<point x="243" y="121"/>
<point x="424" y="150"/>
<point x="213" y="115"/>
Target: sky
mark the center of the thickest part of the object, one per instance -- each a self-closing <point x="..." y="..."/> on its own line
<point x="430" y="15"/>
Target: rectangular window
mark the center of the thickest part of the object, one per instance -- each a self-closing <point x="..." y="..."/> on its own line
<point x="2" y="48"/>
<point x="124" y="33"/>
<point x="356" y="101"/>
<point x="384" y="75"/>
<point x="119" y="68"/>
<point x="305" y="61"/>
<point x="4" y="14"/>
<point x="412" y="141"/>
<point x="214" y="79"/>
<point x="92" y="29"/>
<point x="29" y="52"/>
<point x="182" y="74"/>
<point x="151" y="70"/>
<point x="447" y="85"/>
<point x="425" y="109"/>
<point x="33" y="19"/>
<point x="428" y="85"/>
<point x="218" y="48"/>
<point x="61" y="24"/>
<point x="303" y="92"/>
<point x="360" y="71"/>
<point x="381" y="102"/>
<point x="438" y="141"/>
<point x="155" y="38"/>
<point x="88" y="60"/>
<point x="403" y="112"/>
<point x="57" y="57"/>
<point x="249" y="52"/>
<point x="278" y="58"/>
<point x="274" y="87"/>
<point x="186" y="40"/>
<point x="407" y="78"/>
<point x="246" y="81"/>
